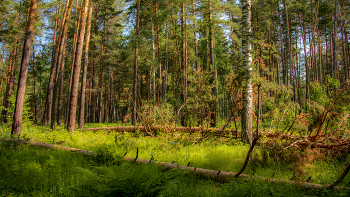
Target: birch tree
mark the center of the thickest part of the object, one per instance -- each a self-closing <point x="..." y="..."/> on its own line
<point x="247" y="111"/>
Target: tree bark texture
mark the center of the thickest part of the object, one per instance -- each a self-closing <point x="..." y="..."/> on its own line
<point x="86" y="62"/>
<point x="54" y="72"/>
<point x="77" y="27"/>
<point x="35" y="98"/>
<point x="247" y="111"/>
<point x="18" y="113"/>
<point x="8" y="86"/>
<point x="58" y="61"/>
<point x="212" y="68"/>
<point x="134" y="87"/>
<point x="77" y="63"/>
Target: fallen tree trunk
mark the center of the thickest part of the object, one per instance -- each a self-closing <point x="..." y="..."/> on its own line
<point x="315" y="145"/>
<point x="155" y="128"/>
<point x="215" y="175"/>
<point x="51" y="146"/>
<point x="222" y="176"/>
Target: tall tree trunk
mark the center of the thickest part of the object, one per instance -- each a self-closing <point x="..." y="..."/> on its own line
<point x="58" y="59"/>
<point x="282" y="49"/>
<point x="183" y="60"/>
<point x="35" y="98"/>
<point x="158" y="55"/>
<point x="100" y="83"/>
<point x="152" y="71"/>
<point x="307" y="78"/>
<point x="86" y="62"/>
<point x="334" y="68"/>
<point x="77" y="63"/>
<point x="92" y="103"/>
<point x="289" y="37"/>
<point x="77" y="27"/>
<point x="10" y="79"/>
<point x="18" y="113"/>
<point x="195" y="34"/>
<point x="134" y="87"/>
<point x="9" y="83"/>
<point x="247" y="110"/>
<point x="320" y="72"/>
<point x="212" y="68"/>
<point x="60" y="96"/>
<point x="50" y="99"/>
<point x="47" y="110"/>
<point x="165" y="78"/>
<point x="345" y="57"/>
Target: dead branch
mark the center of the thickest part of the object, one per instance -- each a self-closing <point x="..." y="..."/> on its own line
<point x="294" y="143"/>
<point x="224" y="126"/>
<point x="342" y="176"/>
<point x="247" y="157"/>
<point x="280" y="120"/>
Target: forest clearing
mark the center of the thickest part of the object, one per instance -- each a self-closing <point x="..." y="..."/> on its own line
<point x="174" y="98"/>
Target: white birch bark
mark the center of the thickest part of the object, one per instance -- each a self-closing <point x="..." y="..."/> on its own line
<point x="247" y="112"/>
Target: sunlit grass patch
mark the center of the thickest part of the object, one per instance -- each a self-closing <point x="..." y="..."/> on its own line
<point x="215" y="154"/>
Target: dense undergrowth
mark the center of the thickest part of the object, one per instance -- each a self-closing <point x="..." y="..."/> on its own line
<point x="71" y="172"/>
<point x="34" y="171"/>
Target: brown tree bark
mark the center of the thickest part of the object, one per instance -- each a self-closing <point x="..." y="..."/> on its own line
<point x="60" y="96"/>
<point x="134" y="87"/>
<point x="77" y="27"/>
<point x="18" y="113"/>
<point x="77" y="63"/>
<point x="86" y="62"/>
<point x="284" y="79"/>
<point x="50" y="87"/>
<point x="92" y="103"/>
<point x="100" y="86"/>
<point x="291" y="65"/>
<point x="165" y="78"/>
<point x="8" y="86"/>
<point x="58" y="59"/>
<point x="195" y="34"/>
<point x="334" y="67"/>
<point x="212" y="68"/>
<point x="35" y="98"/>
<point x="159" y="85"/>
<point x="307" y="86"/>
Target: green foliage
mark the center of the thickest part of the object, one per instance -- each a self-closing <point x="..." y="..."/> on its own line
<point x="33" y="171"/>
<point x="126" y="180"/>
<point x="27" y="117"/>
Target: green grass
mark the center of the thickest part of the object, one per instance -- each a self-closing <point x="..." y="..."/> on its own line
<point x="34" y="171"/>
<point x="38" y="172"/>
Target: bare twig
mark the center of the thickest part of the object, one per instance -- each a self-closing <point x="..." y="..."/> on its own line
<point x="296" y="142"/>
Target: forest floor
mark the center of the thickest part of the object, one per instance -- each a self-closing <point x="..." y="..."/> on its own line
<point x="35" y="171"/>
